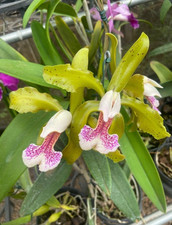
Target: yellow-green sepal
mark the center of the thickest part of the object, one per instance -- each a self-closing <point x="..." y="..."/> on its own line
<point x="148" y="119"/>
<point x="129" y="63"/>
<point x="29" y="99"/>
<point x="117" y="126"/>
<point x="115" y="156"/>
<point x="73" y="151"/>
<point x="80" y="62"/>
<point x="114" y="43"/>
<point x="135" y="86"/>
<point x="72" y="77"/>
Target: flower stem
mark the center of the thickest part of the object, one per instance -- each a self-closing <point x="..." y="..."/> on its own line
<point x="88" y="17"/>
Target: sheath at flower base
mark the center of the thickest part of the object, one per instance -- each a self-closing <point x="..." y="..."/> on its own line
<point x="9" y="82"/>
<point x="98" y="138"/>
<point x="150" y="92"/>
<point x="45" y="155"/>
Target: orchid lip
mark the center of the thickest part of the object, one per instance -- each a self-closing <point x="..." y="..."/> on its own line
<point x="98" y="138"/>
<point x="44" y="155"/>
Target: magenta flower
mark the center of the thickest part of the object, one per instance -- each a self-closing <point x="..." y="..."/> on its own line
<point x="99" y="138"/>
<point x="150" y="92"/>
<point x="116" y="11"/>
<point x="9" y="82"/>
<point x="45" y="155"/>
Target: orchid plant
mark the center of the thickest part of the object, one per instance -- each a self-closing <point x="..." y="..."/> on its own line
<point x="90" y="114"/>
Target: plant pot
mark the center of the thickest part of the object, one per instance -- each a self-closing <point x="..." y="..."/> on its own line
<point x="123" y="220"/>
<point x="166" y="181"/>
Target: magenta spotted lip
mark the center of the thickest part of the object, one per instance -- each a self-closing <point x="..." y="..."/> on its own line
<point x="44" y="155"/>
<point x="99" y="138"/>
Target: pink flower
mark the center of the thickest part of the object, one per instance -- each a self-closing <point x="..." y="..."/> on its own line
<point x="150" y="92"/>
<point x="99" y="138"/>
<point x="45" y="155"/>
<point x="9" y="82"/>
<point x="116" y="11"/>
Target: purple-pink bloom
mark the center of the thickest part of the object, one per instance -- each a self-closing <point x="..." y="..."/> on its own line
<point x="99" y="138"/>
<point x="150" y="92"/>
<point x="44" y="155"/>
<point x="9" y="82"/>
<point x="116" y="11"/>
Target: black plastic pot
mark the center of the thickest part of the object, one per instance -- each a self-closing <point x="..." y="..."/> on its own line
<point x="123" y="221"/>
<point x="166" y="181"/>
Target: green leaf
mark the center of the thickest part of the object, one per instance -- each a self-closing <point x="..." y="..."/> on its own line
<point x="32" y="7"/>
<point x="78" y="5"/>
<point x="7" y="52"/>
<point x="161" y="50"/>
<point x="70" y="79"/>
<point x="163" y="73"/>
<point x="26" y="71"/>
<point x="122" y="194"/>
<point x="61" y="9"/>
<point x="99" y="168"/>
<point x="51" y="7"/>
<point x="129" y="63"/>
<point x="67" y="36"/>
<point x="19" y="221"/>
<point x="46" y="185"/>
<point x="148" y="119"/>
<point x="166" y="90"/>
<point x="29" y="99"/>
<point x="164" y="9"/>
<point x="95" y="40"/>
<point x="26" y="127"/>
<point x="45" y="48"/>
<point x="142" y="166"/>
<point x="113" y="49"/>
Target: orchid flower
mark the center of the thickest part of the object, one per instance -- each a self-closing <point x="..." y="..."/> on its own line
<point x="99" y="138"/>
<point x="116" y="11"/>
<point x="150" y="92"/>
<point x="45" y="155"/>
<point x="9" y="82"/>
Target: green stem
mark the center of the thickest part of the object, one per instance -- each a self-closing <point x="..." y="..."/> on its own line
<point x="88" y="17"/>
<point x="7" y="101"/>
<point x="25" y="181"/>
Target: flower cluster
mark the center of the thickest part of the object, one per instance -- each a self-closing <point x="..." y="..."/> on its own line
<point x="116" y="12"/>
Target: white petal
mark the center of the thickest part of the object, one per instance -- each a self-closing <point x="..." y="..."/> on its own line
<point x="106" y="104"/>
<point x="31" y="157"/>
<point x="58" y="123"/>
<point x="88" y="138"/>
<point x="50" y="162"/>
<point x="152" y="82"/>
<point x="116" y="106"/>
<point x="150" y="90"/>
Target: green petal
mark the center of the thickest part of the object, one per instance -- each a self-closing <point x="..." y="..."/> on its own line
<point x="148" y="119"/>
<point x="72" y="151"/>
<point x="129" y="63"/>
<point x="117" y="126"/>
<point x="80" y="60"/>
<point x="29" y="99"/>
<point x="114" y="43"/>
<point x="115" y="156"/>
<point x="135" y="87"/>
